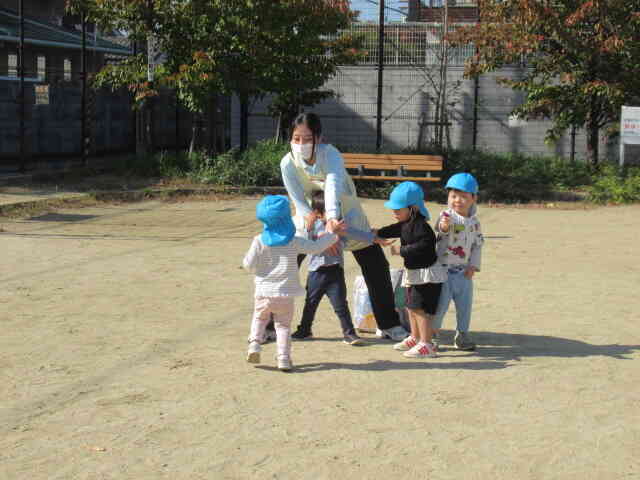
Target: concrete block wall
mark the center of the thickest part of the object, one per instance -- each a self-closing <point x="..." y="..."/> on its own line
<point x="350" y="118"/>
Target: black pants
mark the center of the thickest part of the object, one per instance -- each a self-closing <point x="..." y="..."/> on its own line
<point x="375" y="270"/>
<point x="327" y="281"/>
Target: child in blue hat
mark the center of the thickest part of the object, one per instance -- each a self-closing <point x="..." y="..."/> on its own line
<point x="423" y="276"/>
<point x="272" y="257"/>
<point x="460" y="243"/>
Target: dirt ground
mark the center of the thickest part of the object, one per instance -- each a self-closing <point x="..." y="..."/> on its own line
<point x="123" y="340"/>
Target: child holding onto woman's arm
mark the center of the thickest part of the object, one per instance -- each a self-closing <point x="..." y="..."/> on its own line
<point x="422" y="277"/>
<point x="272" y="257"/>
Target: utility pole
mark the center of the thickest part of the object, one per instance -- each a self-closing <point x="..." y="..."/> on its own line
<point x="23" y="153"/>
<point x="380" y="69"/>
<point x="83" y="97"/>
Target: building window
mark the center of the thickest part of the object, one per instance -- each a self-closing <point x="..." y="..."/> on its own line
<point x="13" y="65"/>
<point x="67" y="70"/>
<point x="42" y="67"/>
<point x="42" y="94"/>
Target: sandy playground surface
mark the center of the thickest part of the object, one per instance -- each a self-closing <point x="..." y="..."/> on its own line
<point x="123" y="339"/>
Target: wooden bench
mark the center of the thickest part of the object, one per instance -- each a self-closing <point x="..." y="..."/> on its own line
<point x="400" y="165"/>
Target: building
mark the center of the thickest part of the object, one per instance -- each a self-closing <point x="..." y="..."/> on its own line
<point x="460" y="11"/>
<point x="52" y="44"/>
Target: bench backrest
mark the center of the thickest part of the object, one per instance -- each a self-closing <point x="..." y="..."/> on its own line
<point x="383" y="161"/>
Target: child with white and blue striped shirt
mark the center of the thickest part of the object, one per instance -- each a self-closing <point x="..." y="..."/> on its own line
<point x="326" y="273"/>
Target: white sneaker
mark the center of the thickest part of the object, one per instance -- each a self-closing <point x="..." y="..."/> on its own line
<point x="284" y="363"/>
<point x="253" y="354"/>
<point x="421" y="350"/>
<point x="397" y="333"/>
<point x="406" y="344"/>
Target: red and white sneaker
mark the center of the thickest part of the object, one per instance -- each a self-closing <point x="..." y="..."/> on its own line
<point x="406" y="344"/>
<point x="421" y="350"/>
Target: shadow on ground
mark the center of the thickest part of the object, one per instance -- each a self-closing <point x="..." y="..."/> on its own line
<point x="495" y="351"/>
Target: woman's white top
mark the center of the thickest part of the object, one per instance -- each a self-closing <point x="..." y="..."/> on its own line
<point x="329" y="175"/>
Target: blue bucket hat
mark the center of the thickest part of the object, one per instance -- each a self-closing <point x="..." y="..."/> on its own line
<point x="407" y="194"/>
<point x="274" y="212"/>
<point x="464" y="182"/>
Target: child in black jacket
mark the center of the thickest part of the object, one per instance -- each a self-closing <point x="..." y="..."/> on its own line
<point x="423" y="275"/>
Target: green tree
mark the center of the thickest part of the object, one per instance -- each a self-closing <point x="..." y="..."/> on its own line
<point x="582" y="59"/>
<point x="249" y="48"/>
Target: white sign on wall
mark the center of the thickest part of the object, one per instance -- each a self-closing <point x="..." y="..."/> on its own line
<point x="629" y="129"/>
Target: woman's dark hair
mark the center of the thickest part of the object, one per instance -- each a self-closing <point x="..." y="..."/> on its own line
<point x="317" y="201"/>
<point x="309" y="120"/>
<point x="312" y="122"/>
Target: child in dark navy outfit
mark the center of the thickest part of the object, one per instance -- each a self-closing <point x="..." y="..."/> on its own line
<point x="423" y="276"/>
<point x="326" y="275"/>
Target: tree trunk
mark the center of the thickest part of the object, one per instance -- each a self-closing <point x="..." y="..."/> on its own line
<point x="197" y="137"/>
<point x="244" y="122"/>
<point x="593" y="144"/>
<point x="213" y="125"/>
<point x="279" y="128"/>
<point x="593" y="129"/>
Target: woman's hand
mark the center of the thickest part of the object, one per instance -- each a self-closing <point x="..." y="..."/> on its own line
<point x="336" y="226"/>
<point x="309" y="220"/>
<point x="395" y="249"/>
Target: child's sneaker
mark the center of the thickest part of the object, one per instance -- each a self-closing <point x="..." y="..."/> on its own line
<point x="406" y="344"/>
<point x="463" y="341"/>
<point x="253" y="355"/>
<point x="353" y="339"/>
<point x="421" y="350"/>
<point x="300" y="334"/>
<point x="284" y="363"/>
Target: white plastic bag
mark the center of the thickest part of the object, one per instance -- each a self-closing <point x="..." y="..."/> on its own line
<point x="363" y="318"/>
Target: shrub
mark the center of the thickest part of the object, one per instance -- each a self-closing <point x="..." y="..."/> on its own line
<point x="258" y="166"/>
<point x="508" y="177"/>
<point x="616" y="185"/>
<point x="502" y="177"/>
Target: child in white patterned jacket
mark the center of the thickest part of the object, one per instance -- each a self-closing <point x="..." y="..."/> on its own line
<point x="460" y="243"/>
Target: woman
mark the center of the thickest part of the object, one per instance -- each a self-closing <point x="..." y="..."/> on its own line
<point x="313" y="165"/>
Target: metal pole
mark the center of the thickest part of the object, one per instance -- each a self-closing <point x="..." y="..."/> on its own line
<point x="476" y="89"/>
<point x="380" y="68"/>
<point x="573" y="143"/>
<point x="177" y="126"/>
<point x="23" y="157"/>
<point x="151" y="78"/>
<point x="83" y="98"/>
<point x="135" y="114"/>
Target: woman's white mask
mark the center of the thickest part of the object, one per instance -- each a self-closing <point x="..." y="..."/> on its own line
<point x="302" y="151"/>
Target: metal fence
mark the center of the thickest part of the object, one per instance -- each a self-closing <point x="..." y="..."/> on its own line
<point x="407" y="44"/>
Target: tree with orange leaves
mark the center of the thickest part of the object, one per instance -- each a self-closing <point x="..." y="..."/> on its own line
<point x="582" y="59"/>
